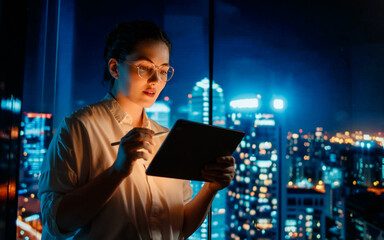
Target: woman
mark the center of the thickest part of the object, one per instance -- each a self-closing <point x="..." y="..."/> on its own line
<point x="92" y="190"/>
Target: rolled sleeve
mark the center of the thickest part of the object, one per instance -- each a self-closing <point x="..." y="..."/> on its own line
<point x="52" y="188"/>
<point x="50" y="202"/>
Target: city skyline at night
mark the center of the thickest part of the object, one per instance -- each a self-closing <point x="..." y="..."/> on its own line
<point x="317" y="162"/>
<point x="309" y="74"/>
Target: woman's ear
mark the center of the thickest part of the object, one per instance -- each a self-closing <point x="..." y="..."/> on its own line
<point x="113" y="66"/>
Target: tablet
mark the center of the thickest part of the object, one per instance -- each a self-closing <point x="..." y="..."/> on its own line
<point x="191" y="145"/>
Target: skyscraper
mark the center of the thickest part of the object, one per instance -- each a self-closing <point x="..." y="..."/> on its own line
<point x="305" y="218"/>
<point x="198" y="105"/>
<point x="306" y="153"/>
<point x="368" y="163"/>
<point x="252" y="200"/>
<point x="364" y="217"/>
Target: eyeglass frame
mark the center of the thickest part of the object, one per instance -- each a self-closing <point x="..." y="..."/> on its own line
<point x="156" y="68"/>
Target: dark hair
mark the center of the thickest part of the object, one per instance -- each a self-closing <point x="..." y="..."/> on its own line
<point x="122" y="41"/>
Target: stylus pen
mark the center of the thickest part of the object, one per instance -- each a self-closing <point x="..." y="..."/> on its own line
<point x="156" y="134"/>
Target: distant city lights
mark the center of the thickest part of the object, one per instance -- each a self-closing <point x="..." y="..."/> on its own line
<point x="13" y="105"/>
<point x="358" y="139"/>
<point x="278" y="104"/>
<point x="249" y="103"/>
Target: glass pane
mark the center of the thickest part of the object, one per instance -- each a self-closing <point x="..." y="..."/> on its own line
<point x="38" y="108"/>
<point x="187" y="93"/>
<point x="302" y="80"/>
<point x="64" y="71"/>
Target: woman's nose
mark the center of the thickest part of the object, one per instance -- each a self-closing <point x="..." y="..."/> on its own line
<point x="155" y="77"/>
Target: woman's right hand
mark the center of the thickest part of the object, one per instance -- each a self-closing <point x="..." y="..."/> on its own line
<point x="136" y="144"/>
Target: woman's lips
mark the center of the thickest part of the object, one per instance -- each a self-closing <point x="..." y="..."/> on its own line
<point x="150" y="92"/>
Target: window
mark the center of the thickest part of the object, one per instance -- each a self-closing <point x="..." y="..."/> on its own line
<point x="308" y="202"/>
<point x="291" y="201"/>
<point x="303" y="80"/>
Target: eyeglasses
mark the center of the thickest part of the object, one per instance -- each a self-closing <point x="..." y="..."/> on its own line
<point x="147" y="69"/>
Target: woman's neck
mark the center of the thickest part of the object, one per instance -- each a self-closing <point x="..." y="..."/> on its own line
<point x="134" y="110"/>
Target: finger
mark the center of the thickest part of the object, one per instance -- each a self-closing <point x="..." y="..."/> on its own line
<point x="142" y="155"/>
<point x="218" y="175"/>
<point x="219" y="167"/>
<point x="139" y="134"/>
<point x="145" y="146"/>
<point x="134" y="146"/>
<point x="137" y="155"/>
<point x="144" y="130"/>
<point x="226" y="159"/>
<point x="207" y="178"/>
<point x="226" y="180"/>
<point x="142" y="136"/>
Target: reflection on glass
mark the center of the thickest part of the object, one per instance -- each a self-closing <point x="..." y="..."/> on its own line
<point x="36" y="134"/>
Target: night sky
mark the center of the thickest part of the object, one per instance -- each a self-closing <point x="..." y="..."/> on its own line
<point x="324" y="57"/>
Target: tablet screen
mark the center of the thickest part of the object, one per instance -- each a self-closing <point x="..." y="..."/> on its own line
<point x="191" y="145"/>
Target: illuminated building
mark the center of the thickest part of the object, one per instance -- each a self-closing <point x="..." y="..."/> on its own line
<point x="305" y="218"/>
<point x="202" y="231"/>
<point x="307" y="152"/>
<point x="318" y="164"/>
<point x="362" y="157"/>
<point x="334" y="212"/>
<point x="198" y="111"/>
<point x="218" y="216"/>
<point x="345" y="164"/>
<point x="332" y="187"/>
<point x="368" y="166"/>
<point x="199" y="103"/>
<point x="252" y="201"/>
<point x="338" y="166"/>
<point x="363" y="163"/>
<point x="297" y="150"/>
<point x="36" y="134"/>
<point x="332" y="175"/>
<point x="160" y="112"/>
<point x="364" y="217"/>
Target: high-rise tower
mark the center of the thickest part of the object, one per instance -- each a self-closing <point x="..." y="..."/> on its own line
<point x="252" y="200"/>
<point x="198" y="105"/>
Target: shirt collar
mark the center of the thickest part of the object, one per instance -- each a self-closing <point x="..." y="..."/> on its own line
<point x="121" y="116"/>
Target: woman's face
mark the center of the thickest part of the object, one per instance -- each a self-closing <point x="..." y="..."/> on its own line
<point x="136" y="89"/>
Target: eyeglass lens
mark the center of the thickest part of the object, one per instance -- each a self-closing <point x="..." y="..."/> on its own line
<point x="147" y="69"/>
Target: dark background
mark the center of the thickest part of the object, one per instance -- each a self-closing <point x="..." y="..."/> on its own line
<point x="324" y="57"/>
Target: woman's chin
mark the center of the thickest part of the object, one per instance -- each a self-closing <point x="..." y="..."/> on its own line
<point x="148" y="104"/>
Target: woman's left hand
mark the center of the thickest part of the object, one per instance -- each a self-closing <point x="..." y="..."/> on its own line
<point x="220" y="173"/>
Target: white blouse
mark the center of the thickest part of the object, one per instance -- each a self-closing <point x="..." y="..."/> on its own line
<point x="142" y="207"/>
